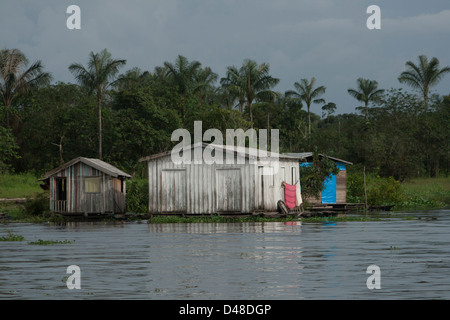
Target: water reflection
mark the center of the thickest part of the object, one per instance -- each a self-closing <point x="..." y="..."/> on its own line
<point x="89" y="225"/>
<point x="199" y="228"/>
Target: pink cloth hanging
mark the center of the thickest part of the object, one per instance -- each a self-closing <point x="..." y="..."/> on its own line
<point x="290" y="195"/>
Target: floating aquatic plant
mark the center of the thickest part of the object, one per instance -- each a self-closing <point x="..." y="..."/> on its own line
<point x="12" y="237"/>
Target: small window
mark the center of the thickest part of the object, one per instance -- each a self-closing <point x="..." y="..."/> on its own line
<point x="294" y="175"/>
<point x="92" y="184"/>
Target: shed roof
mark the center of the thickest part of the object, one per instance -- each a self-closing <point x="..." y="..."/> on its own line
<point x="95" y="163"/>
<point x="305" y="155"/>
<point x="240" y="151"/>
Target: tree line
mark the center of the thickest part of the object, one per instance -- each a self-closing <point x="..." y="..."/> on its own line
<point x="121" y="115"/>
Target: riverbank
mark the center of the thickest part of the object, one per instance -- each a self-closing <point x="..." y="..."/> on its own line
<point x="15" y="214"/>
<point x="415" y="194"/>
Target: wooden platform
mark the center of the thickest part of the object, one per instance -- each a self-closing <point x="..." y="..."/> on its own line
<point x="339" y="207"/>
<point x="87" y="216"/>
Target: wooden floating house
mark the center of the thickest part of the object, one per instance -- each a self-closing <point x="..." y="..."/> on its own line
<point x="335" y="186"/>
<point x="250" y="183"/>
<point x="85" y="186"/>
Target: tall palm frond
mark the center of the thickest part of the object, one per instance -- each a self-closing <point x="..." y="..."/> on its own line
<point x="97" y="77"/>
<point x="306" y="92"/>
<point x="16" y="78"/>
<point x="423" y="76"/>
<point x="189" y="78"/>
<point x="249" y="83"/>
<point x="367" y="91"/>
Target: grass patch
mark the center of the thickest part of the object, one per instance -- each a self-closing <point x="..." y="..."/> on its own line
<point x="35" y="209"/>
<point x="413" y="194"/>
<point x="425" y="193"/>
<point x="18" y="185"/>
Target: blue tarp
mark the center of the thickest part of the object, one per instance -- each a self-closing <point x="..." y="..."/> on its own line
<point x="329" y="189"/>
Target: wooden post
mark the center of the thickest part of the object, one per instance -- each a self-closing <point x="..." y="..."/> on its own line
<point x="365" y="190"/>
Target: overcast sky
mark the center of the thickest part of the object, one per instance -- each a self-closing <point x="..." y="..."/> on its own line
<point x="298" y="38"/>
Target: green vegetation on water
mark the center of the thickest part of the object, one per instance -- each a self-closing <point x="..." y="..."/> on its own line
<point x="12" y="237"/>
<point x="16" y="238"/>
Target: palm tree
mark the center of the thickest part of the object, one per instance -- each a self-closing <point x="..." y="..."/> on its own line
<point x="250" y="82"/>
<point x="133" y="78"/>
<point x="16" y="78"/>
<point x="182" y="73"/>
<point x="98" y="76"/>
<point x="367" y="91"/>
<point x="188" y="77"/>
<point x="423" y="75"/>
<point x="234" y="84"/>
<point x="307" y="93"/>
<point x="205" y="79"/>
<point x="329" y="109"/>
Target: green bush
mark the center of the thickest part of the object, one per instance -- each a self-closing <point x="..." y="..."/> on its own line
<point x="313" y="176"/>
<point x="37" y="205"/>
<point x="355" y="188"/>
<point x="384" y="191"/>
<point x="137" y="195"/>
<point x="380" y="191"/>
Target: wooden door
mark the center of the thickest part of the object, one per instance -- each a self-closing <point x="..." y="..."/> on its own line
<point x="173" y="192"/>
<point x="229" y="190"/>
<point x="119" y="196"/>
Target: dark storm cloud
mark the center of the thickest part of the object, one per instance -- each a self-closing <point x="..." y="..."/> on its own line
<point x="299" y="39"/>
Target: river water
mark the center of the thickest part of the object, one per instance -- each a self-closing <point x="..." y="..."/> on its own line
<point x="269" y="261"/>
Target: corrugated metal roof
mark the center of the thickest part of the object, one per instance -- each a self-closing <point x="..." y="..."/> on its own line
<point x="241" y="151"/>
<point x="301" y="155"/>
<point x="304" y="155"/>
<point x="95" y="163"/>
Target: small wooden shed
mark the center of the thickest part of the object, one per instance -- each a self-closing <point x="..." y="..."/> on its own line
<point x="335" y="186"/>
<point x="86" y="186"/>
<point x="251" y="183"/>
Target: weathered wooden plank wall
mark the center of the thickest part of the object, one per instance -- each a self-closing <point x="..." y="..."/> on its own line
<point x="109" y="199"/>
<point x="211" y="188"/>
<point x="341" y="187"/>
